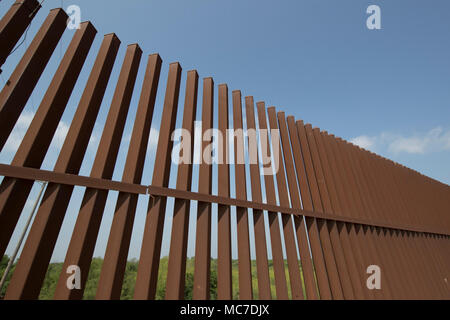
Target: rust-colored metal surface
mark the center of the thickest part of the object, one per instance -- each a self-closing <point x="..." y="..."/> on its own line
<point x="20" y="85"/>
<point x="176" y="271"/>
<point x="286" y="220"/>
<point x="151" y="244"/>
<point x="224" y="258"/>
<point x="78" y="139"/>
<point x="36" y="142"/>
<point x="202" y="270"/>
<point x="86" y="228"/>
<point x="14" y="24"/>
<point x="28" y="275"/>
<point x="305" y="196"/>
<point x="274" y="225"/>
<point x="325" y="212"/>
<point x="262" y="264"/>
<point x="244" y="264"/>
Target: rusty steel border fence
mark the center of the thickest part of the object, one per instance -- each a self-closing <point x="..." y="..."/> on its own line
<point x="336" y="207"/>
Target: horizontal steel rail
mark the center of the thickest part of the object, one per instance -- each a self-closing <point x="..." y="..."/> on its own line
<point x="106" y="184"/>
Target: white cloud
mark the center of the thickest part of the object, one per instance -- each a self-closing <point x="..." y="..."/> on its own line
<point x="16" y="136"/>
<point x="435" y="140"/>
<point x="21" y="127"/>
<point x="25" y="119"/>
<point x="153" y="140"/>
<point x="93" y="142"/>
<point x="364" y="142"/>
<point x="408" y="145"/>
<point x="60" y="134"/>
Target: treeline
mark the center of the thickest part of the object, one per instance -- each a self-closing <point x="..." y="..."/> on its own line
<point x="54" y="270"/>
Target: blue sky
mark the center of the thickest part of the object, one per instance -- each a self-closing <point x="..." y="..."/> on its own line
<point x="387" y="90"/>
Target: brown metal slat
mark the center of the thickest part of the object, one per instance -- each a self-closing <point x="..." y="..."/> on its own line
<point x="394" y="202"/>
<point x="337" y="179"/>
<point x="417" y="250"/>
<point x="345" y="196"/>
<point x="148" y="267"/>
<point x="14" y="23"/>
<point x="320" y="164"/>
<point x="295" y="192"/>
<point x="113" y="267"/>
<point x="52" y="210"/>
<point x="330" y="175"/>
<point x="85" y="232"/>
<point x="22" y="81"/>
<point x="435" y="266"/>
<point x="436" y="252"/>
<point x="321" y="225"/>
<point x="320" y="281"/>
<point x="356" y="231"/>
<point x="436" y="245"/>
<point x="84" y="236"/>
<point x="202" y="266"/>
<point x="427" y="285"/>
<point x="244" y="263"/>
<point x="30" y="271"/>
<point x="262" y="264"/>
<point x="391" y="269"/>
<point x="224" y="275"/>
<point x="389" y="265"/>
<point x="32" y="150"/>
<point x="274" y="227"/>
<point x="368" y="178"/>
<point x="74" y="148"/>
<point x="397" y="193"/>
<point x="361" y="232"/>
<point x="323" y="280"/>
<point x="410" y="290"/>
<point x="369" y="205"/>
<point x="428" y="265"/>
<point x="176" y="271"/>
<point x="287" y="220"/>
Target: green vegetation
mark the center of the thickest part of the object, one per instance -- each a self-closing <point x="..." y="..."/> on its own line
<point x="54" y="270"/>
